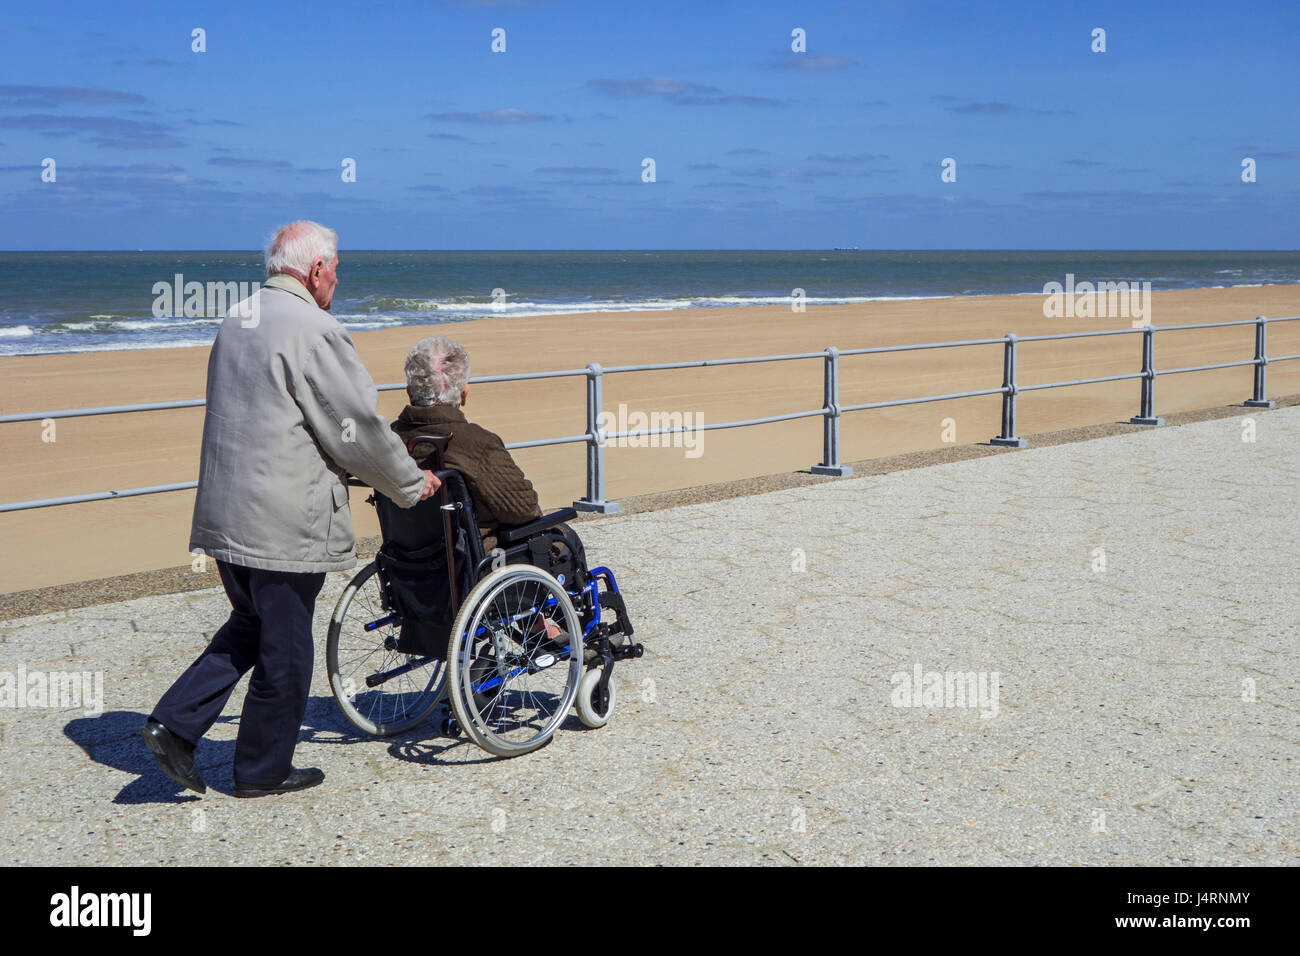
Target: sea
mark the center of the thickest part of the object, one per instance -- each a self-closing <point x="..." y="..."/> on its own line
<point x="102" y="301"/>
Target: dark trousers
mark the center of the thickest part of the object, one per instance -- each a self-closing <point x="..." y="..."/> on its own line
<point x="269" y="631"/>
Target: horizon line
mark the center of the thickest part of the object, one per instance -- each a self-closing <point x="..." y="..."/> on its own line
<point x="260" y="251"/>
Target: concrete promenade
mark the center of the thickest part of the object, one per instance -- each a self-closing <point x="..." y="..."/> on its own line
<point x="1133" y="601"/>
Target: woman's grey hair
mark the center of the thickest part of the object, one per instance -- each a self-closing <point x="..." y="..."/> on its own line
<point x="437" y="371"/>
<point x="297" y="246"/>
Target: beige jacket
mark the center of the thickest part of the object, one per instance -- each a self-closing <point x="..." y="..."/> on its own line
<point x="290" y="411"/>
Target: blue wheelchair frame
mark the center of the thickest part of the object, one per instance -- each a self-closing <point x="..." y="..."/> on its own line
<point x="588" y="597"/>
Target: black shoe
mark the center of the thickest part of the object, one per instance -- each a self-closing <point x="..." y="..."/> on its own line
<point x="297" y="780"/>
<point x="175" y="756"/>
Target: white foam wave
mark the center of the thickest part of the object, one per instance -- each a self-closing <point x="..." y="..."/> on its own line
<point x="144" y="325"/>
<point x="111" y="347"/>
<point x="470" y="308"/>
<point x="102" y="324"/>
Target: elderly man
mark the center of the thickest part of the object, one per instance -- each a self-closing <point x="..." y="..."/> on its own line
<point x="290" y="411"/>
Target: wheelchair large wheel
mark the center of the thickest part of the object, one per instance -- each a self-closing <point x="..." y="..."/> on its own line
<point x="510" y="687"/>
<point x="379" y="689"/>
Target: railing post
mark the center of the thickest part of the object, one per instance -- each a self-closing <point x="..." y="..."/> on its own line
<point x="1257" y="399"/>
<point x="595" y="500"/>
<point x="1147" y="414"/>
<point x="1008" y="436"/>
<point x="830" y="463"/>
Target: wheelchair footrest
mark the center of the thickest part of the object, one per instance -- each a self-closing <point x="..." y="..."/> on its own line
<point x="614" y="601"/>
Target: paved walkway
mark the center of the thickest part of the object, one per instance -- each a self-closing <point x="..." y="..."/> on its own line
<point x="1145" y="713"/>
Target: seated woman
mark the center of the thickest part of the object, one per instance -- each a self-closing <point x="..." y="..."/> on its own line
<point x="437" y="384"/>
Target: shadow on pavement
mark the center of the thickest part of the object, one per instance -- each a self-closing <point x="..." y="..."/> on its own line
<point x="113" y="739"/>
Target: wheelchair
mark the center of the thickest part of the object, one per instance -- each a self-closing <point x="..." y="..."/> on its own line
<point x="510" y="640"/>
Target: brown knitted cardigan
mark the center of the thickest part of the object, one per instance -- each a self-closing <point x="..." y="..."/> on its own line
<point x="502" y="495"/>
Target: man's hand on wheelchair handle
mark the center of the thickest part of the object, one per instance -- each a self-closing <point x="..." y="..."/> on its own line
<point x="431" y="484"/>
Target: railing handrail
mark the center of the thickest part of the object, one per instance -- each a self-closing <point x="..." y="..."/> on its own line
<point x="830" y="411"/>
<point x="663" y="366"/>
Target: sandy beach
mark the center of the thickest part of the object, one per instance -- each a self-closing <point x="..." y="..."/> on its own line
<point x="52" y="546"/>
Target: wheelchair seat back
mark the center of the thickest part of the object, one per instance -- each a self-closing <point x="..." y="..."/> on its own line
<point x="413" y="563"/>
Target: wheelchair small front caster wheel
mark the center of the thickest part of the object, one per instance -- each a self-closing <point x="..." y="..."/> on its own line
<point x="588" y="708"/>
<point x="449" y="727"/>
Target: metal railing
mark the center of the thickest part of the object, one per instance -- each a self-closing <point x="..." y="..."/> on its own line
<point x="830" y="412"/>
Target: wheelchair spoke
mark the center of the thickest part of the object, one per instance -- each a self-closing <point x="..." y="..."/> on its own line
<point x="518" y="682"/>
<point x="414" y="681"/>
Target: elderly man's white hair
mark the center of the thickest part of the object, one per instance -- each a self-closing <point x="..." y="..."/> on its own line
<point x="437" y="371"/>
<point x="297" y="246"/>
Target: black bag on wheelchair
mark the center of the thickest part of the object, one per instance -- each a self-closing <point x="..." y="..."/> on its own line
<point x="558" y="550"/>
<point x="413" y="566"/>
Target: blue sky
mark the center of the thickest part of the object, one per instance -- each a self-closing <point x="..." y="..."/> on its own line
<point x="755" y="146"/>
